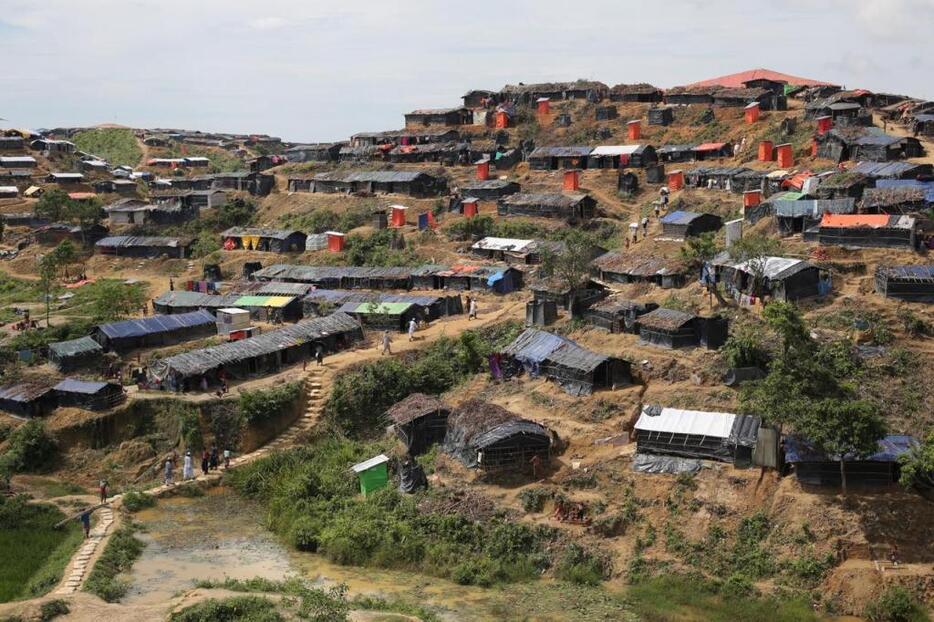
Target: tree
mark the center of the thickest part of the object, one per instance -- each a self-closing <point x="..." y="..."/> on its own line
<point x="699" y="249"/>
<point x="570" y="267"/>
<point x="754" y="250"/>
<point x="52" y="205"/>
<point x="48" y="271"/>
<point x="917" y="466"/>
<point x="85" y="214"/>
<point x="785" y="319"/>
<point x="205" y="245"/>
<point x="114" y="300"/>
<point x="842" y="428"/>
<point x="64" y="255"/>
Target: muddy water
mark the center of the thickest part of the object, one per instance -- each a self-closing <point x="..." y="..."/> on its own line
<point x="220" y="535"/>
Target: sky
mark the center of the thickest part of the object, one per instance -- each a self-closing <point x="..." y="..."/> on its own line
<point x="317" y="70"/>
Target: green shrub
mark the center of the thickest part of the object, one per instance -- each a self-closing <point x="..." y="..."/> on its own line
<point x="117" y="145"/>
<point x="263" y="405"/>
<point x="533" y="499"/>
<point x="134" y="501"/>
<point x="578" y="565"/>
<point x="122" y="550"/>
<point x="52" y="609"/>
<point x="29" y="448"/>
<point x="746" y="348"/>
<point x="737" y="585"/>
<point x="234" y="609"/>
<point x="895" y="604"/>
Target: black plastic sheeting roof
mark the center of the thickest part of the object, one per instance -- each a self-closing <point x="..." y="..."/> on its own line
<point x="156" y="324"/>
<point x="204" y="360"/>
<point x="75" y="347"/>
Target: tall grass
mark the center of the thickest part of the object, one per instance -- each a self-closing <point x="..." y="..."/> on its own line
<point x="33" y="554"/>
<point x="122" y="550"/>
<point x="115" y="144"/>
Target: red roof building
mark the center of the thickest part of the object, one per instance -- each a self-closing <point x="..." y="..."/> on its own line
<point x="737" y="80"/>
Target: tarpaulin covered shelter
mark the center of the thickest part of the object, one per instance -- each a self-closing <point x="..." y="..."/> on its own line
<point x="154" y="330"/>
<point x="27" y="399"/>
<point x="813" y="467"/>
<point x="319" y="301"/>
<point x="412" y="183"/>
<point x="513" y="250"/>
<point x="617" y="315"/>
<point x="489" y="437"/>
<point x="641" y="92"/>
<point x="620" y="267"/>
<point x="622" y="156"/>
<point x="419" y="421"/>
<point x="263" y="354"/>
<point x="897" y="199"/>
<point x="576" y="369"/>
<point x="570" y="207"/>
<point x="382" y="315"/>
<point x="782" y="278"/>
<point x="139" y="246"/>
<point x="88" y="395"/>
<point x="682" y="224"/>
<point x="868" y="230"/>
<point x="490" y="189"/>
<point x="892" y="170"/>
<point x="67" y="356"/>
<point x="260" y="239"/>
<point x="912" y="283"/>
<point x="496" y="279"/>
<point x="338" y="277"/>
<point x="554" y="158"/>
<point x="796" y="216"/>
<point x="560" y="292"/>
<point x="697" y="434"/>
<point x="668" y="328"/>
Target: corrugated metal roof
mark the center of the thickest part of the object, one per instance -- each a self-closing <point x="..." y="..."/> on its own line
<point x="342" y="296"/>
<point x="366" y="465"/>
<point x="885" y="169"/>
<point x="738" y="79"/>
<point x="813" y="208"/>
<point x="178" y="299"/>
<point x="709" y="146"/>
<point x="23" y="391"/>
<point x="313" y="274"/>
<point x="156" y="324"/>
<point x="772" y="267"/>
<point x="925" y="273"/>
<point x="502" y="244"/>
<point x="615" y="150"/>
<point x="203" y="360"/>
<point x="536" y="346"/>
<point x="275" y="302"/>
<point x="373" y="308"/>
<point x="561" y="152"/>
<point x="679" y="421"/>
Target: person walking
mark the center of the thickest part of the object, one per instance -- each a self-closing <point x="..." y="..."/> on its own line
<point x="214" y="458"/>
<point x="472" y="310"/>
<point x="188" y="469"/>
<point x="226" y="458"/>
<point x="412" y="326"/>
<point x="645" y="226"/>
<point x="204" y="462"/>
<point x="387" y="341"/>
<point x="319" y="355"/>
<point x="103" y="490"/>
<point x="85" y="519"/>
<point x="169" y="467"/>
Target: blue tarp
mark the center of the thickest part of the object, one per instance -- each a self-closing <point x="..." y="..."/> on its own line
<point x="799" y="450"/>
<point x="156" y="324"/>
<point x="928" y="186"/>
<point x="70" y="385"/>
<point x="680" y="218"/>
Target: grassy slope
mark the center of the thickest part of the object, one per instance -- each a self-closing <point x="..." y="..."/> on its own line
<point x="116" y="145"/>
<point x="34" y="555"/>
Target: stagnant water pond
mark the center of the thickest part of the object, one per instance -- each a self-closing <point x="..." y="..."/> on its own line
<point x="221" y="535"/>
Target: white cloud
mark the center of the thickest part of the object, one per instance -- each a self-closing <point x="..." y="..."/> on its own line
<point x="267" y="23"/>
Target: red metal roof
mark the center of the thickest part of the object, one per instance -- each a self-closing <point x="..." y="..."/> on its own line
<point x="846" y="221"/>
<point x="736" y="80"/>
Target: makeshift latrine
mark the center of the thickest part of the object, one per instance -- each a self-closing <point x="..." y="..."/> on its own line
<point x="697" y="434"/>
<point x="911" y="283"/>
<point x="419" y="421"/>
<point x="812" y="466"/>
<point x="83" y="352"/>
<point x="489" y="437"/>
<point x="577" y="370"/>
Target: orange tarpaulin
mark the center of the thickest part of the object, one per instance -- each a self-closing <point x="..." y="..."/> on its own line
<point x="873" y="221"/>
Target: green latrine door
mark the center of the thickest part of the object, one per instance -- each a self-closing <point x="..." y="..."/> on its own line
<point x="373" y="474"/>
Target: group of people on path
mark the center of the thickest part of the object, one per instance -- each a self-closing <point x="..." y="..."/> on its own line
<point x="209" y="462"/>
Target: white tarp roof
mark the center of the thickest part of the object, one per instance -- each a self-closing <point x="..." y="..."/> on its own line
<point x="694" y="422"/>
<point x="502" y="244"/>
<point x="614" y="150"/>
<point x="366" y="465"/>
<point x="771" y="267"/>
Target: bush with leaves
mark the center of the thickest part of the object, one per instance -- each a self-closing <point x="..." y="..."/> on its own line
<point x="265" y="404"/>
<point x="917" y="465"/>
<point x="746" y="348"/>
<point x="29" y="448"/>
<point x="895" y="604"/>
